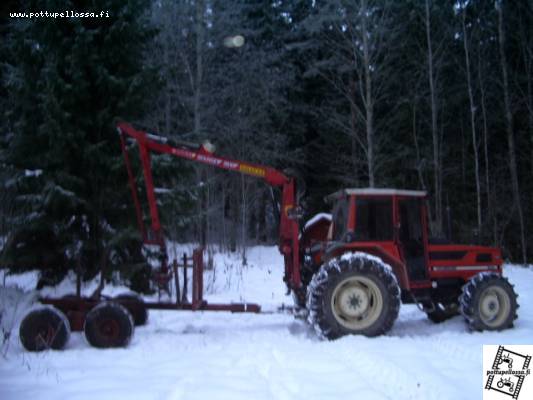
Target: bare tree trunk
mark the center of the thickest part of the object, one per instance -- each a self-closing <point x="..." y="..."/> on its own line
<point x="417" y="150"/>
<point x="199" y="64"/>
<point x="434" y="129"/>
<point x="526" y="47"/>
<point x="201" y="173"/>
<point x="8" y="210"/>
<point x="528" y="64"/>
<point x="104" y="266"/>
<point x="463" y="155"/>
<point x="243" y="220"/>
<point x="168" y="100"/>
<point x="486" y="148"/>
<point x="353" y="136"/>
<point x="510" y="133"/>
<point x="368" y="98"/>
<point x="472" y="122"/>
<point x="234" y="216"/>
<point x="224" y="234"/>
<point x="530" y="106"/>
<point x="263" y="234"/>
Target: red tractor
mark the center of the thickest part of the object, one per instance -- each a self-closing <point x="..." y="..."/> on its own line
<point x="350" y="271"/>
<point x="376" y="253"/>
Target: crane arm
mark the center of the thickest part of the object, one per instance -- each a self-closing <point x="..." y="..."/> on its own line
<point x="288" y="230"/>
<point x="200" y="153"/>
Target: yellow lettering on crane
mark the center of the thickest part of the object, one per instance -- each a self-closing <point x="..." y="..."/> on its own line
<point x="248" y="169"/>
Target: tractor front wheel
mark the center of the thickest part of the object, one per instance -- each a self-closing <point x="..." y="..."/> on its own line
<point x="488" y="302"/>
<point x="44" y="328"/>
<point x="356" y="294"/>
<point x="108" y="325"/>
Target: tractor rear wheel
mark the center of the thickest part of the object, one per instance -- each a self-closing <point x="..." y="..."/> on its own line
<point x="488" y="302"/>
<point x="356" y="294"/>
<point x="108" y="325"/>
<point x="44" y="328"/>
<point x="135" y="305"/>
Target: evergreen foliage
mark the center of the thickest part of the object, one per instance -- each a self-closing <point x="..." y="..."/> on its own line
<point x="68" y="79"/>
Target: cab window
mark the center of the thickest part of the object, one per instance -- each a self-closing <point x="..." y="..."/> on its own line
<point x="340" y="216"/>
<point x="373" y="219"/>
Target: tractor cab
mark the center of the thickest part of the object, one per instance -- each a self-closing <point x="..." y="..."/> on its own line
<point x="392" y="224"/>
<point x="388" y="223"/>
<point x="384" y="220"/>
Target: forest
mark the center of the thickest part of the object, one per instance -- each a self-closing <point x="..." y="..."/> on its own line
<point x="416" y="94"/>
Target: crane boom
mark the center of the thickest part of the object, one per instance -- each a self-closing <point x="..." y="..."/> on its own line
<point x="148" y="143"/>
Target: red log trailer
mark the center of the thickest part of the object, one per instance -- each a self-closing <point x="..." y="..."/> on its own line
<point x="349" y="271"/>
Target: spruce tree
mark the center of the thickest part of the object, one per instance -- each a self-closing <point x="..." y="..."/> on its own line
<point x="68" y="79"/>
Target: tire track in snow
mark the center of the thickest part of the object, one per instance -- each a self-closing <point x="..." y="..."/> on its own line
<point x="376" y="368"/>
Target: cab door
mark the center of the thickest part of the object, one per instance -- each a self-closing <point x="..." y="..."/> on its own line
<point x="411" y="237"/>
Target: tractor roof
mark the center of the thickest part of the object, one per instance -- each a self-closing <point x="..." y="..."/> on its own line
<point x="375" y="192"/>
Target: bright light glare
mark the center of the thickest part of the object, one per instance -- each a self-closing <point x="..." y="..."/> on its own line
<point x="234" y="41"/>
<point x="208" y="146"/>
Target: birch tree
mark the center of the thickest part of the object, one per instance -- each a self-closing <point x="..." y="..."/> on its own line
<point x="359" y="39"/>
<point x="470" y="89"/>
<point x="432" y="82"/>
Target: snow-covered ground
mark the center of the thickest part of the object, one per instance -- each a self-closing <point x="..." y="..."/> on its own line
<point x="184" y="355"/>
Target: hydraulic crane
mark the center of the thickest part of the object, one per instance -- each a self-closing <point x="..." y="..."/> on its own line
<point x="149" y="143"/>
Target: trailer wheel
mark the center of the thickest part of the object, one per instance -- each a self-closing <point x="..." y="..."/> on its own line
<point x="488" y="302"/>
<point x="43" y="329"/>
<point x="108" y="325"/>
<point x="444" y="313"/>
<point x="135" y="305"/>
<point x="353" y="295"/>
